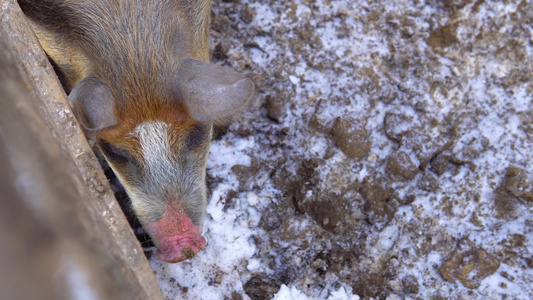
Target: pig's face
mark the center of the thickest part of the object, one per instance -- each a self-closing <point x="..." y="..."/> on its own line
<point x="162" y="167"/>
<point x="144" y="93"/>
<point x="157" y="142"/>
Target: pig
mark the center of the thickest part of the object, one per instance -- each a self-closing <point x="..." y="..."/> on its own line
<point x="139" y="82"/>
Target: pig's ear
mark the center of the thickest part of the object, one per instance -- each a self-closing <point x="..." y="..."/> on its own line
<point x="211" y="93"/>
<point x="92" y="103"/>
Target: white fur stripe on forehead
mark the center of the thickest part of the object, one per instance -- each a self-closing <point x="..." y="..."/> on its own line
<point x="155" y="145"/>
<point x="164" y="177"/>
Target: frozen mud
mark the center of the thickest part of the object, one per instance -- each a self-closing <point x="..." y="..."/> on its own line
<point x="386" y="155"/>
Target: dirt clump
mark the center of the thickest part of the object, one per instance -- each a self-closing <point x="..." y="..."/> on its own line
<point x="410" y="284"/>
<point x="400" y="164"/>
<point x="327" y="210"/>
<point x="469" y="264"/>
<point x="274" y="106"/>
<point x="246" y="174"/>
<point x="443" y="37"/>
<point x="260" y="287"/>
<point x="396" y="125"/>
<point x="351" y="137"/>
<point x="519" y="183"/>
<point x="504" y="205"/>
<point x="379" y="207"/>
<point x="428" y="182"/>
<point x="441" y="163"/>
<point x="424" y="146"/>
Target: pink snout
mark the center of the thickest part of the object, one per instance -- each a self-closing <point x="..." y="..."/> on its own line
<point x="179" y="248"/>
<point x="176" y="236"/>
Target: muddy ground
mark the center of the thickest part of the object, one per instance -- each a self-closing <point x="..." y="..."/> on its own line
<point x="387" y="153"/>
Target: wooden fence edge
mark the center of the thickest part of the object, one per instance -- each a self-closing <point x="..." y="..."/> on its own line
<point x="53" y="107"/>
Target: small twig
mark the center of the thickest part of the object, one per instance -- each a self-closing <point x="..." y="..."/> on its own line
<point x="285" y="138"/>
<point x="312" y="98"/>
<point x="349" y="14"/>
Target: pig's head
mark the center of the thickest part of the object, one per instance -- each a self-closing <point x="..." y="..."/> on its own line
<point x="158" y="148"/>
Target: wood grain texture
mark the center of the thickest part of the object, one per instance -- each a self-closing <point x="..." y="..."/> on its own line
<point x="53" y="180"/>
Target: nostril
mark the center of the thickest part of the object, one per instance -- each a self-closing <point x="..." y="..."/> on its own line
<point x="188" y="252"/>
<point x="178" y="238"/>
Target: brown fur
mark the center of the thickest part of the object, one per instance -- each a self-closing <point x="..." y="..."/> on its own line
<point x="138" y="72"/>
<point x="169" y="113"/>
<point x="139" y="61"/>
<point x="141" y="87"/>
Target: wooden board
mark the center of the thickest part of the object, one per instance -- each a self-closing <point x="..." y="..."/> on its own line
<point x="65" y="230"/>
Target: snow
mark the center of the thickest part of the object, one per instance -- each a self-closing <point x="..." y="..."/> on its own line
<point x="490" y="121"/>
<point x="286" y="293"/>
<point x="292" y="293"/>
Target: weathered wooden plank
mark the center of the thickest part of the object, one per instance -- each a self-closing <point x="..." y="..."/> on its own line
<point x="53" y="180"/>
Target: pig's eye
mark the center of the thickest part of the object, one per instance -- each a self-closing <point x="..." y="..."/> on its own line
<point x="114" y="154"/>
<point x="197" y="136"/>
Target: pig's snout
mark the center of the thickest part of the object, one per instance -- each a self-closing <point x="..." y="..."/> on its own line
<point x="176" y="236"/>
<point x="180" y="250"/>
